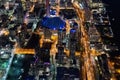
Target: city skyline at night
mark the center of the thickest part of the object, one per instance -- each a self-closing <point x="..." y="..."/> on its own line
<point x="59" y="40"/>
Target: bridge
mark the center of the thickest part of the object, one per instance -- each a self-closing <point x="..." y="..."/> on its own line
<point x="24" y="51"/>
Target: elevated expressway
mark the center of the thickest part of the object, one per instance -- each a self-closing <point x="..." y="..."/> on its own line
<point x="88" y="70"/>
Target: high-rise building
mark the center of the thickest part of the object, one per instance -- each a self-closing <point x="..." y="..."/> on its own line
<point x="2" y="2"/>
<point x="47" y="8"/>
<point x="72" y="43"/>
<point x="60" y="37"/>
<point x="60" y="54"/>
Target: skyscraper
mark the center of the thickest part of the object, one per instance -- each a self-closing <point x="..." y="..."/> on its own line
<point x="47" y="8"/>
<point x="72" y="41"/>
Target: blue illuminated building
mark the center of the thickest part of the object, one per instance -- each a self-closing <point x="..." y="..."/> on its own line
<point x="73" y="35"/>
<point x="53" y="23"/>
<point x="72" y="31"/>
<point x="52" y="12"/>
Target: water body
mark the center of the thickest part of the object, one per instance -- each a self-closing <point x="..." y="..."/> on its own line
<point x="114" y="13"/>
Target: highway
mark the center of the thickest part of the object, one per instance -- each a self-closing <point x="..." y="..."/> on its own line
<point x="89" y="54"/>
<point x="85" y="41"/>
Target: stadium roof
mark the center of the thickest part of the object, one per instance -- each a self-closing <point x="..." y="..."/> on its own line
<point x="53" y="23"/>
